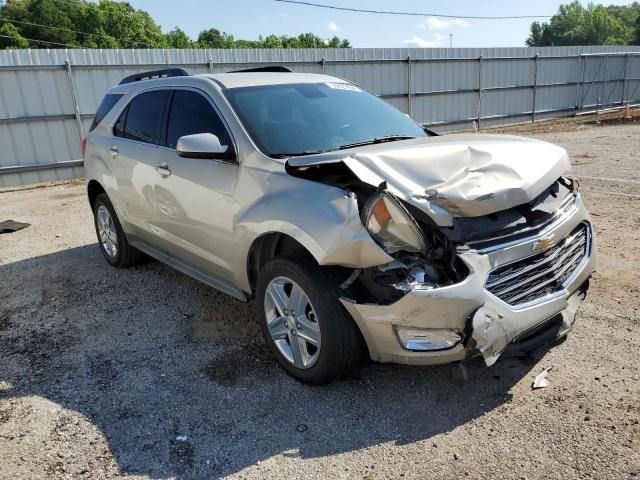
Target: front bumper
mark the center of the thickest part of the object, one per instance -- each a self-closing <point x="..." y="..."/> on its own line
<point x="486" y="324"/>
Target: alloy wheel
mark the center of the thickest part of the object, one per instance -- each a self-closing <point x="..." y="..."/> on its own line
<point x="292" y="322"/>
<point x="107" y="231"/>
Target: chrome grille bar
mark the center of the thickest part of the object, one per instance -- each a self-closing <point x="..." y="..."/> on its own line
<point x="541" y="274"/>
<point x="559" y="252"/>
<point x="537" y="287"/>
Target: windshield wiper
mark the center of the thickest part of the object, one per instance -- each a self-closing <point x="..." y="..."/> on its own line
<point x="297" y="154"/>
<point x="373" y="141"/>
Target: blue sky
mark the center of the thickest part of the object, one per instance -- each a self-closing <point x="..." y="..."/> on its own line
<point x="249" y="18"/>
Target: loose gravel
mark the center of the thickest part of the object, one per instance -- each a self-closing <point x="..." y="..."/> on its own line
<point x="145" y="373"/>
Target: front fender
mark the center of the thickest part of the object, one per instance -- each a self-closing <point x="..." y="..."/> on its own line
<point x="325" y="220"/>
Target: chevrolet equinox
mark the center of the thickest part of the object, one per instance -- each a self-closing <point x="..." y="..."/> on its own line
<point x="357" y="231"/>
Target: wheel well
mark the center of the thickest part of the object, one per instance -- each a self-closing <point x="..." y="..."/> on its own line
<point x="269" y="246"/>
<point x="93" y="190"/>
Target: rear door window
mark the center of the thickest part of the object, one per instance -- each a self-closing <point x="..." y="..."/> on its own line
<point x="192" y="113"/>
<point x="105" y="107"/>
<point x="145" y="117"/>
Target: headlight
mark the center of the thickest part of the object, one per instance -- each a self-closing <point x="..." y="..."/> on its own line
<point x="391" y="225"/>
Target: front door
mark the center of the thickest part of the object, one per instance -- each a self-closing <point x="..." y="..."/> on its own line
<point x="194" y="198"/>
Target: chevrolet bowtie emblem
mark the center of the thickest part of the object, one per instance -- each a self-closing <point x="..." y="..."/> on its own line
<point x="543" y="244"/>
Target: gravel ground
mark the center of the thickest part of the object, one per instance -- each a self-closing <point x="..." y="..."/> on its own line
<point x="146" y="373"/>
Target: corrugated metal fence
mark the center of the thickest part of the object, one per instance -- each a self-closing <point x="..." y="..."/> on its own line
<point x="48" y="97"/>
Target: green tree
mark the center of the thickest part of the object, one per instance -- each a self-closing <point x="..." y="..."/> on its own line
<point x="336" y="42"/>
<point x="176" y="38"/>
<point x="130" y="27"/>
<point x="44" y="12"/>
<point x="271" y="41"/>
<point x="108" y="24"/>
<point x="539" y="35"/>
<point x="309" y="40"/>
<point x="116" y="24"/>
<point x="11" y="38"/>
<point x="577" y="25"/>
<point x="627" y="14"/>
<point x="213" y="38"/>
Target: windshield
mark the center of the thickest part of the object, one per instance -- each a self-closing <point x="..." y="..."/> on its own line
<point x="306" y="118"/>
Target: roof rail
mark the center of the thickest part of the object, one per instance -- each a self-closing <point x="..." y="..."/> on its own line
<point x="164" y="73"/>
<point x="273" y="68"/>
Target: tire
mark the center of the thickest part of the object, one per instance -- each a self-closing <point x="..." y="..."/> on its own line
<point x="340" y="344"/>
<point x="124" y="255"/>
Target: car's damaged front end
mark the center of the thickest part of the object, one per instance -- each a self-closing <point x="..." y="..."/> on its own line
<point x="490" y="252"/>
<point x="512" y="294"/>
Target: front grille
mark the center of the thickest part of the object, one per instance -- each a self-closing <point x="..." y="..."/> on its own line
<point x="539" y="275"/>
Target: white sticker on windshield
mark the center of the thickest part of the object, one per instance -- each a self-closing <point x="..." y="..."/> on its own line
<point x="343" y="86"/>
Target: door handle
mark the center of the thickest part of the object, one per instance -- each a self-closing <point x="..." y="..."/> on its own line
<point x="163" y="170"/>
<point x="114" y="151"/>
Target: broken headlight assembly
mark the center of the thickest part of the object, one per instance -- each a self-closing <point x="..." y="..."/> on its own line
<point x="391" y="225"/>
<point x="423" y="258"/>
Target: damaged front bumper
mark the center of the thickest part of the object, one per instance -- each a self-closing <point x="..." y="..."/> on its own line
<point x="464" y="320"/>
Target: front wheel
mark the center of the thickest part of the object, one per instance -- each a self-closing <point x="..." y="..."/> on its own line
<point x="307" y="329"/>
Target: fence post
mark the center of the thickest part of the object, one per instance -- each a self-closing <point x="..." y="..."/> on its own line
<point x="74" y="98"/>
<point x="323" y="62"/>
<point x="581" y="63"/>
<point x="409" y="88"/>
<point x="479" y="91"/>
<point x="210" y="64"/>
<point x="535" y="89"/>
<point x="624" y="77"/>
<point x="604" y="82"/>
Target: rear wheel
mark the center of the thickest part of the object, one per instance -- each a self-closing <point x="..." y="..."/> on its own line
<point x="308" y="331"/>
<point x="111" y="237"/>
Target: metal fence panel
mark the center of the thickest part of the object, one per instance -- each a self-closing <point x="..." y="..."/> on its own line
<point x="46" y="105"/>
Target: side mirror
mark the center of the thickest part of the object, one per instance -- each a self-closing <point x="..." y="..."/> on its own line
<point x="203" y="145"/>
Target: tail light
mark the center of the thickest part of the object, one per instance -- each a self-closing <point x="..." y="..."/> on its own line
<point x="83" y="145"/>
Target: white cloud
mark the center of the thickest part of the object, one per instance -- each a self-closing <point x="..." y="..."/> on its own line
<point x="435" y="23"/>
<point x="332" y="26"/>
<point x="416" y="41"/>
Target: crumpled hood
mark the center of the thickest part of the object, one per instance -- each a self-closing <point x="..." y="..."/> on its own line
<point x="465" y="175"/>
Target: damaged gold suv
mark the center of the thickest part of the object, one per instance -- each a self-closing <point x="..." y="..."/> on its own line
<point x="356" y="231"/>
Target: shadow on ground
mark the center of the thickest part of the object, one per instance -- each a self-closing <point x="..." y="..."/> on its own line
<point x="148" y="355"/>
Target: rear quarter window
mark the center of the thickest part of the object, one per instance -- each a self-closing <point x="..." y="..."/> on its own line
<point x="105" y="107"/>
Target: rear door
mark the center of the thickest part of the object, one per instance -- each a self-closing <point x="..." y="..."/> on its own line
<point x="195" y="203"/>
<point x="137" y="137"/>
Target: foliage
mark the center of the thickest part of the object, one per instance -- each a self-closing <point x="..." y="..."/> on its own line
<point x="14" y="40"/>
<point x="114" y="24"/>
<point x="591" y="25"/>
<point x="215" y="39"/>
<point x="176" y="38"/>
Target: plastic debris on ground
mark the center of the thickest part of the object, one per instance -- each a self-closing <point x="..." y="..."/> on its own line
<point x="541" y="379"/>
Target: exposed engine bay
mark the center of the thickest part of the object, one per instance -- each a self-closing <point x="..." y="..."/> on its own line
<point x="437" y="264"/>
<point x="514" y="222"/>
